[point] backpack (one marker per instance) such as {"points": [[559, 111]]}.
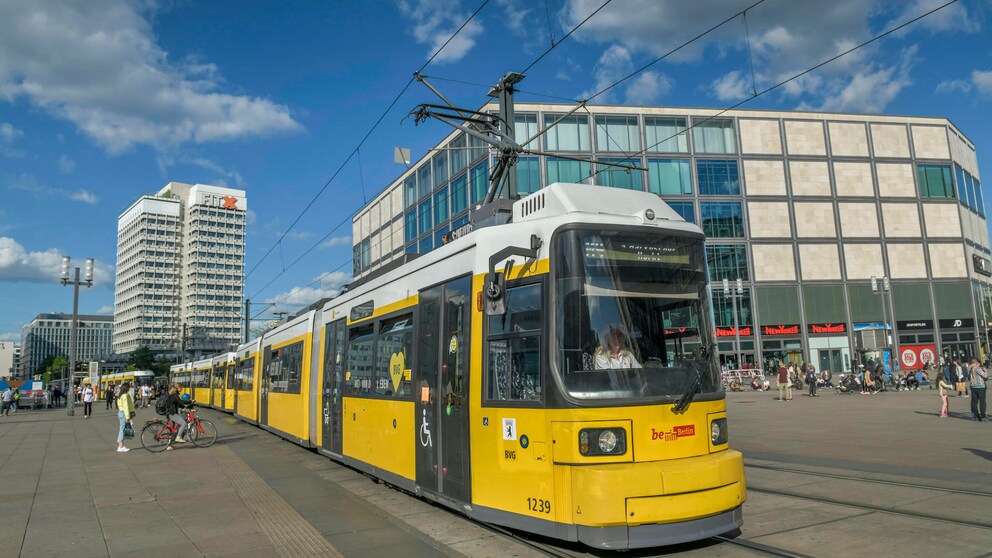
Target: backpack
{"points": [[160, 404]]}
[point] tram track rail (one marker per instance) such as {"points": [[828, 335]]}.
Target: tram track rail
{"points": [[759, 547], [869, 507], [869, 480]]}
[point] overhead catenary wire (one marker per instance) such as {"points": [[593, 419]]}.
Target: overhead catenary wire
{"points": [[365, 138]]}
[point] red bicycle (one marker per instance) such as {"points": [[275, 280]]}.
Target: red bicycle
{"points": [[157, 434]]}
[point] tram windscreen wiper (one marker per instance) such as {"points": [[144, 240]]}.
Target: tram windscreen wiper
{"points": [[698, 364]]}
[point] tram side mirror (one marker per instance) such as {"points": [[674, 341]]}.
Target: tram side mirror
{"points": [[493, 294]]}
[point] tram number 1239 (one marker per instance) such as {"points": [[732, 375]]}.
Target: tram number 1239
{"points": [[538, 505]]}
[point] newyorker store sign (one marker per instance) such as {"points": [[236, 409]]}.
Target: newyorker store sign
{"points": [[744, 331], [828, 328], [780, 330]]}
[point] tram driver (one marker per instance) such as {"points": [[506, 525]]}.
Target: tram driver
{"points": [[613, 352]]}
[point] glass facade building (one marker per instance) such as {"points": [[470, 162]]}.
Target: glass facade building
{"points": [[51, 335], [804, 208]]}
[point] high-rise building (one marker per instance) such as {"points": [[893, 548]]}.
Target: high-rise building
{"points": [[847, 233], [180, 270], [9, 353], [50, 334]]}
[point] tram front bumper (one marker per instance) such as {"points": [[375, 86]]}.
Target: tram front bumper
{"points": [[658, 497]]}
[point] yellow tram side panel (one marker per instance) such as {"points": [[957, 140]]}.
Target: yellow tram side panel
{"points": [[248, 399], [289, 412], [232, 368], [662, 478], [369, 434], [201, 394]]}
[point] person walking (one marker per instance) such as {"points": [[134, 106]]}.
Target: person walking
{"points": [[17, 398], [146, 395], [957, 372], [943, 386], [7, 399], [125, 412], [811, 379], [784, 385], [109, 396], [979, 378], [89, 395]]}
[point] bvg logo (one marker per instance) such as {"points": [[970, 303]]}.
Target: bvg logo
{"points": [[675, 433]]}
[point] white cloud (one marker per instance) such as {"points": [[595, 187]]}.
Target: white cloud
{"points": [[105, 311], [29, 183], [871, 90], [982, 81], [18, 264], [648, 88], [732, 86], [952, 18], [8, 136], [336, 241], [953, 85], [66, 165], [12, 337], [435, 21], [329, 285], [97, 64]]}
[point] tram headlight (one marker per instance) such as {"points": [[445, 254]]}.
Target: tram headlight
{"points": [[602, 441], [718, 431]]}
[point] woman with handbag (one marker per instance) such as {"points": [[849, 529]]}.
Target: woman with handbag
{"points": [[125, 413]]}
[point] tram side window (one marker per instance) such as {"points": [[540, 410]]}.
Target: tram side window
{"points": [[393, 346], [358, 374], [514, 347], [202, 378], [218, 379], [232, 381], [246, 374], [286, 368]]}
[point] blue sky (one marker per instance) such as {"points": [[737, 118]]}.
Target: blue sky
{"points": [[104, 100]]}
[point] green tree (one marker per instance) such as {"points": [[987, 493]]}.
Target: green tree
{"points": [[141, 359], [45, 365]]}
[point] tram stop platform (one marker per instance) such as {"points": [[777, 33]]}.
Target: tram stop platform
{"points": [[66, 491]]}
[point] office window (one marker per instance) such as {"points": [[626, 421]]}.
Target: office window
{"points": [[524, 127], [410, 191], [366, 254], [528, 175], [962, 183], [714, 136], [666, 135], [723, 308], [459, 194], [463, 220], [718, 177], [617, 133], [566, 170], [440, 206], [478, 179], [685, 209], [424, 182], [722, 219], [439, 236], [479, 149], [571, 134], [935, 181], [979, 199], [425, 245], [619, 177], [410, 226], [458, 154], [440, 163], [670, 177], [424, 216]]}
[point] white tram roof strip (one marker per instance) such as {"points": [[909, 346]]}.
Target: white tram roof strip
{"points": [[540, 213]]}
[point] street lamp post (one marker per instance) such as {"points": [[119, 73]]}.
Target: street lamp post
{"points": [[882, 289], [733, 295], [88, 282]]}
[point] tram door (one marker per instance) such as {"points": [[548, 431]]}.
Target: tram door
{"points": [[333, 379], [442, 390], [263, 387]]}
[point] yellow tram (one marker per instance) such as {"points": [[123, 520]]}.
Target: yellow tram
{"points": [[554, 374], [200, 375], [221, 382]]}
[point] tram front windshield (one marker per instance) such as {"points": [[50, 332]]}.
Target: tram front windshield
{"points": [[632, 315]]}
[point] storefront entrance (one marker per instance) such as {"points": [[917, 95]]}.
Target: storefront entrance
{"points": [[788, 351]]}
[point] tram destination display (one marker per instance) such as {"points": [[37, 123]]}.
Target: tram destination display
{"points": [[624, 251]]}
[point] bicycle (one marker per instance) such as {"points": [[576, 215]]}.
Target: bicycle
{"points": [[157, 435]]}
